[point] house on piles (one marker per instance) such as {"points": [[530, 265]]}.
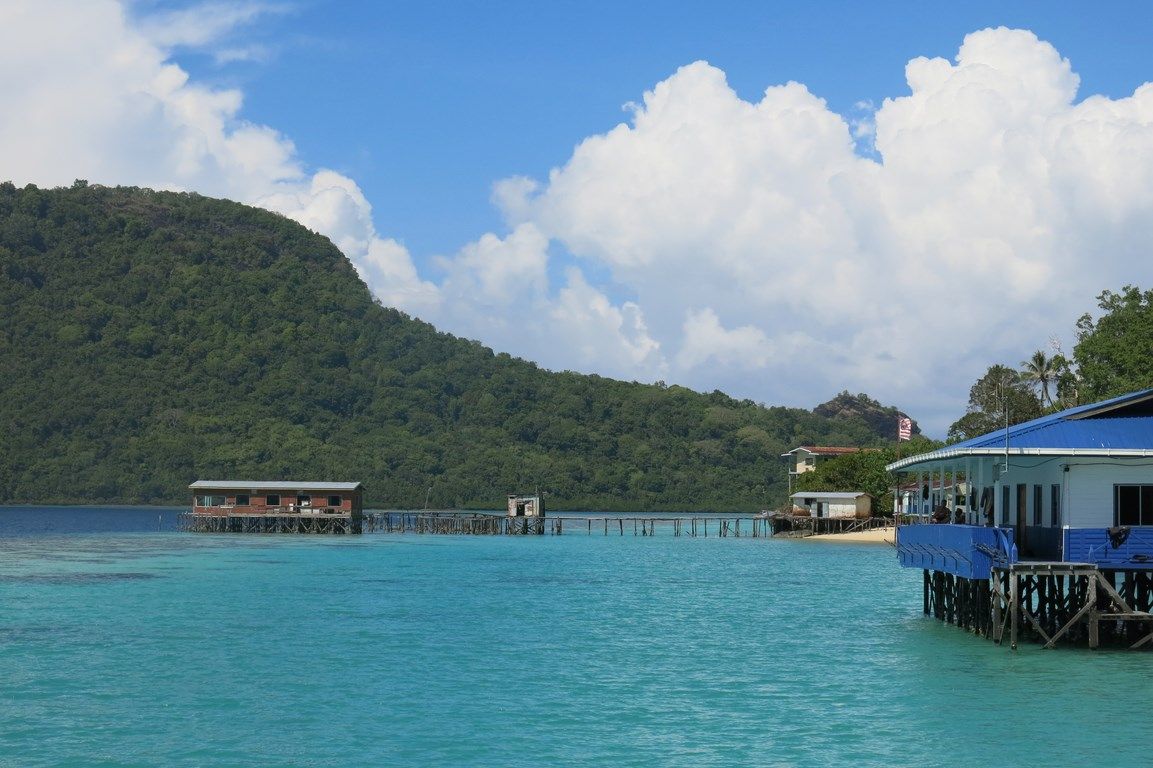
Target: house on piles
{"points": [[263, 506], [1056, 538], [1056, 486]]}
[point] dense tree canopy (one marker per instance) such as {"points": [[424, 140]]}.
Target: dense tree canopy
{"points": [[1114, 353], [1001, 395], [1113, 356], [863, 471], [150, 339]]}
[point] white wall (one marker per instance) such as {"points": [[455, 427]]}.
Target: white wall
{"points": [[1089, 487]]}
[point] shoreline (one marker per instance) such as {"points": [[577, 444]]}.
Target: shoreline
{"points": [[872, 536]]}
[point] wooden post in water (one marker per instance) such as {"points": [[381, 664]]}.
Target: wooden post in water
{"points": [[1014, 608]]}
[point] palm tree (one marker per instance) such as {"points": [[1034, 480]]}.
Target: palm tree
{"points": [[1040, 371]]}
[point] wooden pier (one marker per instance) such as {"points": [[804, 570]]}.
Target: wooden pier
{"points": [[478, 523], [271, 522], [801, 526], [1047, 603]]}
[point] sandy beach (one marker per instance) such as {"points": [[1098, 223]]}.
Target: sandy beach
{"points": [[874, 536]]}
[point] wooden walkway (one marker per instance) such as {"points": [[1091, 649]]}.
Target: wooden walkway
{"points": [[480, 524], [801, 526]]}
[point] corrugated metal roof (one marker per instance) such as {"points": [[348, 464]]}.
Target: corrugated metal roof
{"points": [[828, 450], [272, 485], [828, 495], [1122, 423]]}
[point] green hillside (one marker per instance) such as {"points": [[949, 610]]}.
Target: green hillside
{"points": [[149, 339]]}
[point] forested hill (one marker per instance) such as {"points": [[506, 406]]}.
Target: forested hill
{"points": [[149, 339]]}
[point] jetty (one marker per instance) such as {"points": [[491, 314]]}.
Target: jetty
{"points": [[457, 523], [800, 526]]}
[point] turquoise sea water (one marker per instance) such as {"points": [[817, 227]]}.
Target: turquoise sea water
{"points": [[125, 643]]}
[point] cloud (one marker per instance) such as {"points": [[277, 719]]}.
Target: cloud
{"points": [[705, 341], [773, 248], [995, 208], [102, 101], [501, 287], [200, 25]]}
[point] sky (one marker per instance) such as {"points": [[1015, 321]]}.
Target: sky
{"points": [[780, 201]]}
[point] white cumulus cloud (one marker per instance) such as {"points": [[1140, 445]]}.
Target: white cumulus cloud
{"points": [[994, 210], [92, 94]]}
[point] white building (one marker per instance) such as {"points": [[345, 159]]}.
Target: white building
{"points": [[833, 503], [1058, 481]]}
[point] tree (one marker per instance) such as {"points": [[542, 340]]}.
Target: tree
{"points": [[1040, 371], [861, 471], [1068, 382], [1000, 395], [1114, 353], [150, 338]]}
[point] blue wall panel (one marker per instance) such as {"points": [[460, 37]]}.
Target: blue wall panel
{"points": [[963, 550], [1092, 545]]}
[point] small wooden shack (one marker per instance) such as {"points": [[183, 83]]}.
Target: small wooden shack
{"points": [[251, 506], [525, 506], [833, 504]]}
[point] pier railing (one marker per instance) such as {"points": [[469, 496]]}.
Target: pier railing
{"points": [[800, 526], [478, 523]]}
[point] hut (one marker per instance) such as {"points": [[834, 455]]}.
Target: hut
{"points": [[525, 506], [833, 504], [262, 506]]}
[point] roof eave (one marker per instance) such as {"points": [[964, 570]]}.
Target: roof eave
{"points": [[944, 454]]}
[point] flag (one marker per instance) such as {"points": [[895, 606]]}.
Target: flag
{"points": [[904, 428]]}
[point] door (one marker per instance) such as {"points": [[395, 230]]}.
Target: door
{"points": [[1020, 534]]}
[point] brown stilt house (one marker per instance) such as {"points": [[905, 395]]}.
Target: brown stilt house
{"points": [[253, 506]]}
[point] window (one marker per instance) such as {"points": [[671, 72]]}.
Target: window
{"points": [[1055, 504], [335, 501], [210, 501], [303, 500], [242, 500], [1133, 505], [1004, 505], [1037, 499], [272, 499]]}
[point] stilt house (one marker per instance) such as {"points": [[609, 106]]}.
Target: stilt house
{"points": [[1058, 526], [276, 506]]}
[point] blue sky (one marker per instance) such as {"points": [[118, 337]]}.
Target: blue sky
{"points": [[426, 104], [781, 201]]}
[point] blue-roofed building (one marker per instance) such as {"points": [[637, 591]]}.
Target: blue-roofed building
{"points": [[1057, 482], [1057, 525]]}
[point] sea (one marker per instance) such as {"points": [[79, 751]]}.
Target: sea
{"points": [[125, 642]]}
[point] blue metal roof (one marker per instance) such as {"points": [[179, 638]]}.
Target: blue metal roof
{"points": [[1122, 423], [1098, 425]]}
